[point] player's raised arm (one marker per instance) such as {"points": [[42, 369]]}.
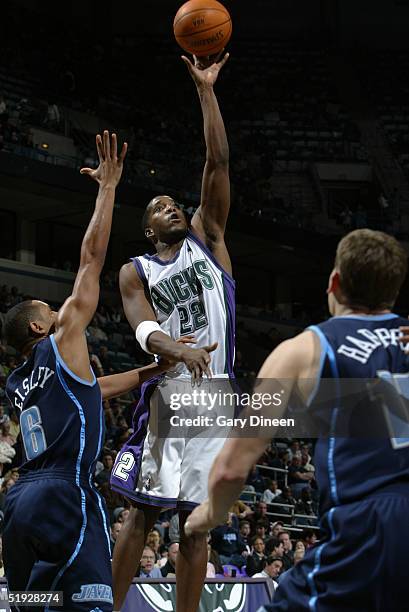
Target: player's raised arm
{"points": [[211, 217], [78, 310], [141, 318]]}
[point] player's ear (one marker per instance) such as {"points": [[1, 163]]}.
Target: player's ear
{"points": [[149, 232], [333, 282], [38, 328]]}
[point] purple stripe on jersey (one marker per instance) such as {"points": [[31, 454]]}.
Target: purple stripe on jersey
{"points": [[209, 254], [140, 271], [134, 446], [230, 303], [163, 262]]}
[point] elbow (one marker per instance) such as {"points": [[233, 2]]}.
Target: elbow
{"points": [[91, 255], [231, 475], [218, 161]]}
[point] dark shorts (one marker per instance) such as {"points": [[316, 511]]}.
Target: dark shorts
{"points": [[56, 538], [359, 565]]}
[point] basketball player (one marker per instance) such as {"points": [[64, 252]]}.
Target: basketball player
{"points": [[360, 562], [56, 535], [186, 287]]}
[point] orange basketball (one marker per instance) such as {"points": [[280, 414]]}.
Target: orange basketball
{"points": [[202, 27]]}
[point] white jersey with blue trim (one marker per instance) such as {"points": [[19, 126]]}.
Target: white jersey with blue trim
{"points": [[375, 457], [192, 295]]}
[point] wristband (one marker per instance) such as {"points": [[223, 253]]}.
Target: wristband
{"points": [[143, 331]]}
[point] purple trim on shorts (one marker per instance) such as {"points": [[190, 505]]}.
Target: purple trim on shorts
{"points": [[209, 254], [186, 505], [148, 500], [136, 442], [140, 271]]}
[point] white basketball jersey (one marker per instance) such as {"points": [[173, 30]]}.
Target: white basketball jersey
{"points": [[192, 295]]}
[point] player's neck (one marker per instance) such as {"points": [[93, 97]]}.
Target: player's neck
{"points": [[167, 251], [341, 310]]}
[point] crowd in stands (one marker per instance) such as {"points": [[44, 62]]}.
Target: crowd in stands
{"points": [[265, 532], [383, 74], [290, 113]]}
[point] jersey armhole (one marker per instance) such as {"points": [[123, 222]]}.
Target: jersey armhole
{"points": [[324, 345], [64, 366], [193, 236]]}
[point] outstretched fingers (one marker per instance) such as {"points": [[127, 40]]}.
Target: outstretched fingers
{"points": [[123, 152], [114, 147], [223, 61], [107, 144], [100, 148]]}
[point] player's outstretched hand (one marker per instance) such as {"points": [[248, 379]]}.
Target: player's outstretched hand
{"points": [[197, 361], [199, 521], [204, 71], [109, 171], [169, 363]]}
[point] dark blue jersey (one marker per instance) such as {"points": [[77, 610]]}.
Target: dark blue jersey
{"points": [[61, 416], [350, 468]]}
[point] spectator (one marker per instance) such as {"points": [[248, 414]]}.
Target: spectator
{"points": [[105, 474], [115, 529], [271, 571], [277, 528], [306, 506], [274, 547], [261, 529], [120, 514], [5, 435], [227, 543], [244, 531], [287, 498], [255, 562], [146, 566], [271, 492], [256, 480], [214, 560], [309, 538], [240, 509], [260, 513], [169, 569], [288, 555], [298, 477], [210, 569], [154, 541], [299, 546]]}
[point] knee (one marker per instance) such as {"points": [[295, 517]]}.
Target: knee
{"points": [[192, 544]]}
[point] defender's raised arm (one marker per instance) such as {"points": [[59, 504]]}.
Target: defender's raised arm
{"points": [[79, 308]]}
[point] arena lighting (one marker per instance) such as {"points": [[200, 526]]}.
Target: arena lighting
{"points": [[45, 145], [152, 171]]}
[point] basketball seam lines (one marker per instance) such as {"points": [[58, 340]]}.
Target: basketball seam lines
{"points": [[206, 30], [198, 10]]}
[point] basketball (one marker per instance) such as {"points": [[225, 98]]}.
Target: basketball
{"points": [[202, 27]]}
